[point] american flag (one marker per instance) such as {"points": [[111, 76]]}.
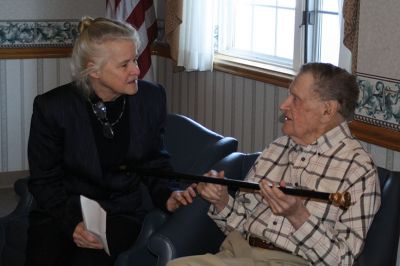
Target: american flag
{"points": [[141, 15]]}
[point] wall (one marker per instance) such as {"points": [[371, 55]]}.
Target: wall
{"points": [[233, 106], [377, 66], [230, 105], [22, 80], [50, 9], [378, 49]]}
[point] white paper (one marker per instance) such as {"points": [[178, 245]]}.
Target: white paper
{"points": [[94, 218]]}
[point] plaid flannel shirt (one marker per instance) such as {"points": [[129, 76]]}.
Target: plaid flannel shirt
{"points": [[336, 162]]}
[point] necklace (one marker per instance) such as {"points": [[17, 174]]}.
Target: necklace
{"points": [[100, 111]]}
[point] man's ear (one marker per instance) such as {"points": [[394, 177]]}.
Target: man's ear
{"points": [[331, 109], [94, 74]]}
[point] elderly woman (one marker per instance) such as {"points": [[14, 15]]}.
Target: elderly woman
{"points": [[81, 133]]}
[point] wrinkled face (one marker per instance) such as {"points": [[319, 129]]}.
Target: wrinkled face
{"points": [[303, 110], [119, 73]]}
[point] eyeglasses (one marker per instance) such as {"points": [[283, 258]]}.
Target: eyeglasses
{"points": [[100, 111]]}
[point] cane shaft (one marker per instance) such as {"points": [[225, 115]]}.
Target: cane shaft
{"points": [[340, 199]]}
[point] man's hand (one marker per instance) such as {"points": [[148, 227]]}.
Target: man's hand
{"points": [[290, 207], [179, 198], [213, 193], [85, 239]]}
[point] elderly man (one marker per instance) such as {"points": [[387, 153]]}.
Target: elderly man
{"points": [[318, 153]]}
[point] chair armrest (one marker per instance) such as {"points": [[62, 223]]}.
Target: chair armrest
{"points": [[14, 226], [189, 231], [138, 254], [25, 202]]}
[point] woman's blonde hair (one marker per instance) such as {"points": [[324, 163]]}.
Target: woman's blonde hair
{"points": [[93, 33]]}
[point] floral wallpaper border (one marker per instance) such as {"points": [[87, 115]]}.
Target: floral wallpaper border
{"points": [[38, 33], [379, 101]]}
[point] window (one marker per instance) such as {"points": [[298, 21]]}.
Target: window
{"points": [[283, 33]]}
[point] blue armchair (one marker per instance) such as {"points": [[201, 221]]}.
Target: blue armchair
{"points": [[193, 148], [13, 227], [201, 234], [383, 237]]}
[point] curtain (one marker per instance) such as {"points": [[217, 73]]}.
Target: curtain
{"points": [[344, 52], [173, 20], [351, 15], [189, 32]]}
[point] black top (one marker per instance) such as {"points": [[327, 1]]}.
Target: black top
{"points": [[112, 151], [68, 157]]}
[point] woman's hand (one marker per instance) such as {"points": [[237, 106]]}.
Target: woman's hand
{"points": [[179, 198], [215, 194], [284, 205], [85, 239]]}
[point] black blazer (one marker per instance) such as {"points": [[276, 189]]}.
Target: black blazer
{"points": [[64, 163]]}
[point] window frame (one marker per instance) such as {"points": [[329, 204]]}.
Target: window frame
{"points": [[274, 63], [230, 63], [271, 74]]}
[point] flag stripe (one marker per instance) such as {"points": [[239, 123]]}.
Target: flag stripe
{"points": [[144, 61], [152, 32], [117, 2], [136, 18], [141, 15]]}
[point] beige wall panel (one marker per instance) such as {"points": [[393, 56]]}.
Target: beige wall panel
{"points": [[237, 115], [219, 101], [184, 105], [14, 102], [209, 99], [192, 94], [64, 70], [228, 105], [259, 116], [378, 49], [50, 9], [248, 115], [201, 98]]}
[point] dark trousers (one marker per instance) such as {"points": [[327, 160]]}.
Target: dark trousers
{"points": [[49, 246]]}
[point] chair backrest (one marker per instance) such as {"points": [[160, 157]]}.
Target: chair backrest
{"points": [[383, 237], [193, 147]]}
